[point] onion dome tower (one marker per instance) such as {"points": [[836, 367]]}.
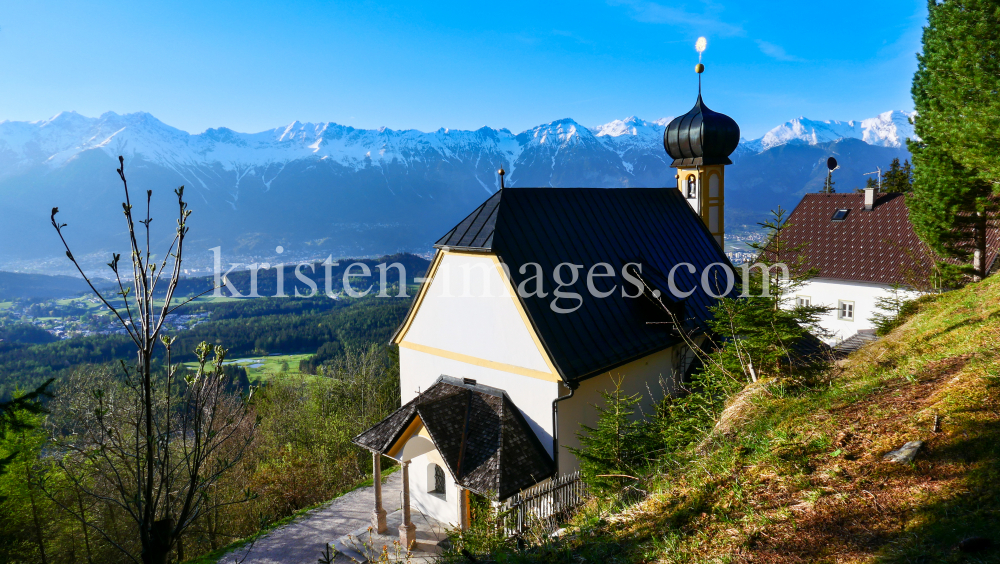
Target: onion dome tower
{"points": [[700, 142]]}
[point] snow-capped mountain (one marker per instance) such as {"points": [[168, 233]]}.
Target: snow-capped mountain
{"points": [[55, 141], [889, 129], [342, 190]]}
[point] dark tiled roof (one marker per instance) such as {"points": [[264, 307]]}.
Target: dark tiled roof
{"points": [[479, 432], [855, 342], [586, 226], [877, 245], [476, 230], [383, 434]]}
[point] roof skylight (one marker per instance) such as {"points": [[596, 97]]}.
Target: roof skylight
{"points": [[841, 215]]}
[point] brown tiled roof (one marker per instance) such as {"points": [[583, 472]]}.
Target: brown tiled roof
{"points": [[877, 245], [479, 432]]}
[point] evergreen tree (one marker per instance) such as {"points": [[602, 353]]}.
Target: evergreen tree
{"points": [[899, 178], [616, 449], [765, 326], [891, 309], [13, 412], [964, 62], [955, 95], [828, 185]]}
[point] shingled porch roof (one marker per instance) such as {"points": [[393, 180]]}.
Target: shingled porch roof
{"points": [[478, 431]]}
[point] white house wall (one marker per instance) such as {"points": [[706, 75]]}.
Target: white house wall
{"points": [[468, 325], [827, 292]]}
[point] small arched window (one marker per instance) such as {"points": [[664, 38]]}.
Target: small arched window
{"points": [[435, 479], [691, 186]]}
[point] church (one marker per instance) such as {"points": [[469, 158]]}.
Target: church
{"points": [[534, 304]]}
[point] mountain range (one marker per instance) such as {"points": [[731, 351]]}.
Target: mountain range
{"points": [[324, 188]]}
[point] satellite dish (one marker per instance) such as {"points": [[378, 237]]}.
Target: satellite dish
{"points": [[831, 163]]}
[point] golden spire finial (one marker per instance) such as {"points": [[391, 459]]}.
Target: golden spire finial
{"points": [[700, 47], [501, 173]]}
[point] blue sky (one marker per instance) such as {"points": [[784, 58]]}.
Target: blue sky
{"points": [[252, 65]]}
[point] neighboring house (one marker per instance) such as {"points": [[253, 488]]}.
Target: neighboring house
{"points": [[861, 245], [533, 306]]}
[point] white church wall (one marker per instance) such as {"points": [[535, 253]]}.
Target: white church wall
{"points": [[418, 370], [642, 377], [831, 293], [469, 310], [441, 507], [469, 326], [483, 336]]}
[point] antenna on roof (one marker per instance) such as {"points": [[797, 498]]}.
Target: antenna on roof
{"points": [[501, 173], [831, 165], [878, 172]]}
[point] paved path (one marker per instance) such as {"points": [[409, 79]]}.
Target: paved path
{"points": [[303, 541]]}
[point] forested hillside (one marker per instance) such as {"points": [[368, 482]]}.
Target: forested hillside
{"points": [[256, 326], [16, 285], [250, 326]]}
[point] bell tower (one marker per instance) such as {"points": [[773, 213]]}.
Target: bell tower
{"points": [[700, 142]]}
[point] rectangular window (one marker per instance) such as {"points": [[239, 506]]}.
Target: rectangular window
{"points": [[845, 310], [803, 301], [841, 215]]}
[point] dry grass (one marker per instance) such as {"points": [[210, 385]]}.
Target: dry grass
{"points": [[803, 479]]}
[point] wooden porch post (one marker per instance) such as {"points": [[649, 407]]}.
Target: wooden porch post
{"points": [[463, 507], [407, 530], [378, 516]]}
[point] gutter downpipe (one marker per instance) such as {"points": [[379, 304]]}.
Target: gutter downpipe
{"points": [[555, 424]]}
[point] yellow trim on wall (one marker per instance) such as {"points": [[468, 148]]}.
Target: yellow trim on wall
{"points": [[520, 370], [523, 314], [551, 376], [424, 288], [704, 175], [414, 428], [469, 253]]}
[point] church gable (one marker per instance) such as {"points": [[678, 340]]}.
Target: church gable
{"points": [[469, 313]]}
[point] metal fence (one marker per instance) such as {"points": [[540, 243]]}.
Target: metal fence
{"points": [[543, 505]]}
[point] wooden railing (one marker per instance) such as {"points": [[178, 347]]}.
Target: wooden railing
{"points": [[543, 505]]}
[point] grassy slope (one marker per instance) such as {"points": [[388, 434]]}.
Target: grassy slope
{"points": [[262, 368], [803, 480]]}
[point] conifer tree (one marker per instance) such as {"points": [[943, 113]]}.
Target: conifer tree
{"points": [[899, 178], [612, 452], [12, 415], [891, 309], [829, 183], [955, 92], [969, 51]]}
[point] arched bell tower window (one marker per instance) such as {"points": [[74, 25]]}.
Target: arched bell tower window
{"points": [[691, 186], [435, 479]]}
